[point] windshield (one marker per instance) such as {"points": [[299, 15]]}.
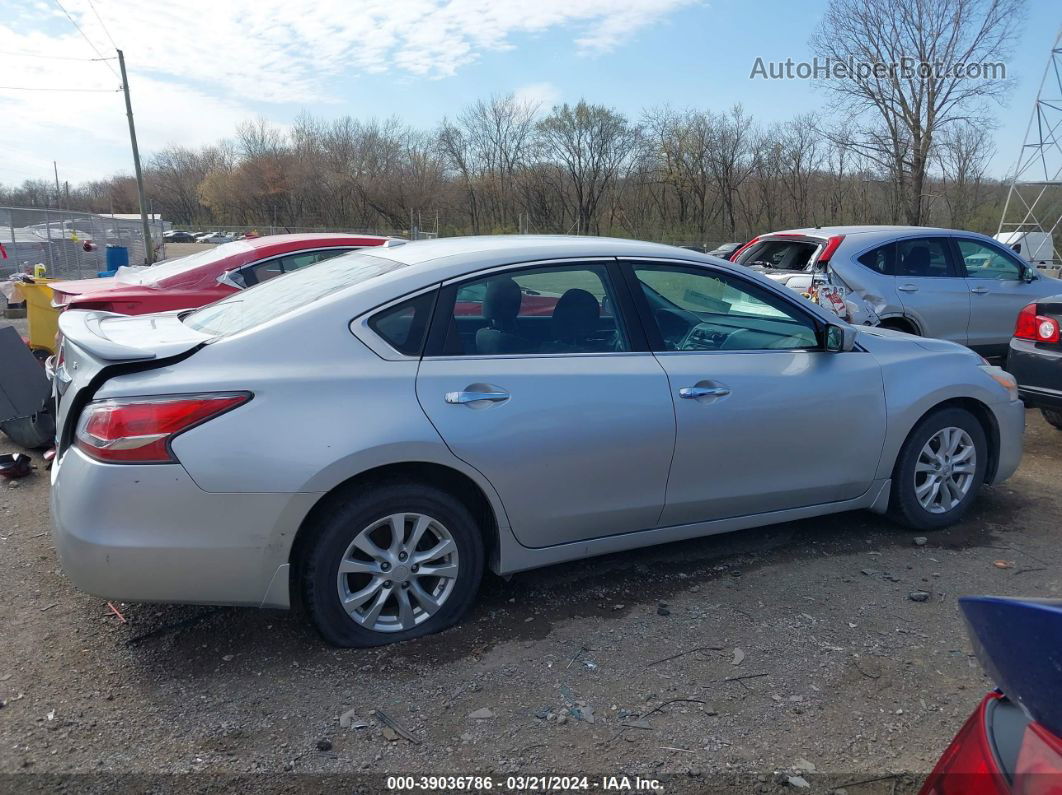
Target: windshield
{"points": [[175, 267], [286, 293]]}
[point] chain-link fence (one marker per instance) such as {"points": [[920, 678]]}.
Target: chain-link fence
{"points": [[259, 230], [70, 244]]}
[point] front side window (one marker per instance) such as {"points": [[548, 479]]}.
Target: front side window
{"points": [[987, 262], [699, 310], [568, 309], [923, 256]]}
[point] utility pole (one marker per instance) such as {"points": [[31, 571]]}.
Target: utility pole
{"points": [[58, 195], [148, 251]]}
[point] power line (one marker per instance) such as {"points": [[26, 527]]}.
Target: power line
{"points": [[86, 38], [102, 24], [52, 57], [36, 88]]}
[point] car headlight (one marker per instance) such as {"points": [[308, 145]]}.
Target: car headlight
{"points": [[1003, 378]]}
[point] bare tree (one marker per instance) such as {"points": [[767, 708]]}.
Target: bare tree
{"points": [[963, 151], [594, 146], [935, 40]]}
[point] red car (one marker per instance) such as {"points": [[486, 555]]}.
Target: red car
{"points": [[205, 277]]}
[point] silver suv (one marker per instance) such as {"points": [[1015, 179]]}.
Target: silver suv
{"points": [[944, 283]]}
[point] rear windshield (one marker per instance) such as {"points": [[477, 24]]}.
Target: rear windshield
{"points": [[175, 267], [278, 296], [789, 255]]}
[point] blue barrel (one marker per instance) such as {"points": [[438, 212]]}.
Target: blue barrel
{"points": [[117, 256]]}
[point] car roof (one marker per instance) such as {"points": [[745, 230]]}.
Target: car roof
{"points": [[314, 237], [829, 231], [507, 249]]}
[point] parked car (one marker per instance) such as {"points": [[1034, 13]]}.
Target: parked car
{"points": [[204, 277], [215, 237], [726, 250], [178, 236], [1012, 743], [944, 283], [373, 474], [1035, 357]]}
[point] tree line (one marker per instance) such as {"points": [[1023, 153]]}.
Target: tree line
{"points": [[502, 166]]}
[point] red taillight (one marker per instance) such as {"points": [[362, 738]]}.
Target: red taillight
{"points": [[1039, 768], [968, 766], [139, 430], [831, 246], [734, 256], [1036, 328]]}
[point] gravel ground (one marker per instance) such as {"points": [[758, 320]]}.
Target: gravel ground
{"points": [[790, 648]]}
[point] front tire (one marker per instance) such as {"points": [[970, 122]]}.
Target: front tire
{"points": [[396, 562], [1053, 417], [939, 471]]}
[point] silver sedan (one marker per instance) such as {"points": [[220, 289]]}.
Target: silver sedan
{"points": [[365, 436]]}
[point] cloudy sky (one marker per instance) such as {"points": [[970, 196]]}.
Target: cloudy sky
{"points": [[198, 67]]}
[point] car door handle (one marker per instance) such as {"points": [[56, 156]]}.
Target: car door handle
{"points": [[473, 397], [979, 290], [908, 288], [694, 392]]}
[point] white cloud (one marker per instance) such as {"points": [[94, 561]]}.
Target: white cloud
{"points": [[544, 95], [197, 66]]}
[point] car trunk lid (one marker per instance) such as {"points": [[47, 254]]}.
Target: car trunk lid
{"points": [[97, 345]]}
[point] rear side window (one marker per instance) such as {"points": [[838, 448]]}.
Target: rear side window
{"points": [[405, 325], [880, 259], [922, 256]]}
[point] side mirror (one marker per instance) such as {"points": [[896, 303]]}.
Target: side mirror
{"points": [[1028, 273], [232, 279], [839, 339]]}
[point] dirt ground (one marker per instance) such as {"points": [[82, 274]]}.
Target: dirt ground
{"points": [[735, 662]]}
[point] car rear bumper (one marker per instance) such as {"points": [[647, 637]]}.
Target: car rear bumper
{"points": [[1039, 373], [1010, 420], [148, 533]]}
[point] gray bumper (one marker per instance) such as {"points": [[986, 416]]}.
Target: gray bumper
{"points": [[150, 534], [1010, 418]]}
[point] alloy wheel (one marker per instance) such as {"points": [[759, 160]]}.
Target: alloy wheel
{"points": [[398, 572], [945, 469]]}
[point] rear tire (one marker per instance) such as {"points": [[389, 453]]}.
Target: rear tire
{"points": [[32, 433], [388, 576], [933, 481], [1053, 417], [899, 324]]}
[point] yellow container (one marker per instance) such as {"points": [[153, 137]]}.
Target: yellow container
{"points": [[42, 317]]}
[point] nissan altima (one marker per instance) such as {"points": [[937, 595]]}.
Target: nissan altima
{"points": [[365, 436]]}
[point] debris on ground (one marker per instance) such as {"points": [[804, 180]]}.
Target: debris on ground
{"points": [[17, 465], [324, 745], [1003, 564], [739, 657], [918, 596], [350, 720], [393, 724], [798, 782], [481, 714], [921, 541]]}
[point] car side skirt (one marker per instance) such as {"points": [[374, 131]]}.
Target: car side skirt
{"points": [[512, 557]]}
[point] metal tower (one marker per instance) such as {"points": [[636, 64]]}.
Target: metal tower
{"points": [[1034, 201]]}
